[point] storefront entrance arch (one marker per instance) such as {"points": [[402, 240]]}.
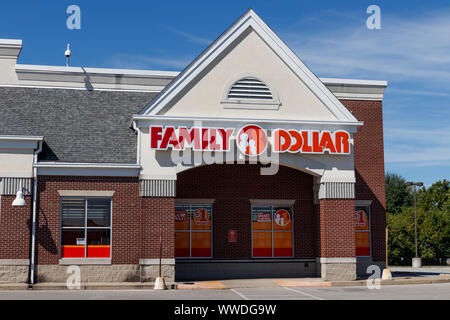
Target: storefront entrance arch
{"points": [[231, 196]]}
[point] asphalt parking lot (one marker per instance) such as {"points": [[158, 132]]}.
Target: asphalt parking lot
{"points": [[399, 292]]}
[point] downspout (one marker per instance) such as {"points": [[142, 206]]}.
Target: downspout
{"points": [[138, 147], [33, 223], [138, 161]]}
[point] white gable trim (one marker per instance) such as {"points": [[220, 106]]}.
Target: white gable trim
{"points": [[249, 19]]}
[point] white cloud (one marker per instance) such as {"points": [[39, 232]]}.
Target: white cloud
{"points": [[413, 55], [417, 147], [416, 49], [191, 38], [129, 61], [420, 157]]}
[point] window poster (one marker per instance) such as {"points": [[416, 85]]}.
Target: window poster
{"points": [[362, 232], [272, 231], [193, 231]]}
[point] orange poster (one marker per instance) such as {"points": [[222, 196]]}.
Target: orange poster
{"points": [[181, 220], [362, 233]]}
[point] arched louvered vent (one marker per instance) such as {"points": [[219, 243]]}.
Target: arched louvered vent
{"points": [[250, 89]]}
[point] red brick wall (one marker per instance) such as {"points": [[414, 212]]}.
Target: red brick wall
{"points": [[15, 228], [126, 217], [337, 237], [369, 168], [232, 186], [158, 217]]}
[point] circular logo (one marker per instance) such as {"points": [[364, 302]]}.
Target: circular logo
{"points": [[252, 140], [282, 218]]}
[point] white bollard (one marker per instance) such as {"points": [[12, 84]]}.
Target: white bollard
{"points": [[387, 275], [160, 284], [417, 263]]}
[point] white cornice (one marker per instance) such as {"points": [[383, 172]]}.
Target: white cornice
{"points": [[92, 71], [358, 96], [88, 169], [144, 120], [108, 79], [86, 165], [10, 42], [354, 82], [82, 88], [10, 48], [20, 142], [92, 78], [22, 138]]}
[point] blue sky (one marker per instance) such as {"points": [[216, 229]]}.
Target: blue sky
{"points": [[411, 51]]}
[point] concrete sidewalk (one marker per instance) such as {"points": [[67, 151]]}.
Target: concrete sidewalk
{"points": [[401, 276], [305, 282], [85, 286]]}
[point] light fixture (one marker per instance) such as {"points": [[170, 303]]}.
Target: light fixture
{"points": [[20, 200]]}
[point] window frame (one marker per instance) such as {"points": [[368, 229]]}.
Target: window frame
{"points": [[369, 216], [85, 228], [272, 206], [190, 205]]}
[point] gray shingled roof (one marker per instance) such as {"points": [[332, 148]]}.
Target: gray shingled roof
{"points": [[77, 125]]}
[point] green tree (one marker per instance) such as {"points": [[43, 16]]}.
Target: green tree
{"points": [[398, 194], [434, 235], [401, 236], [435, 197], [434, 232], [433, 226]]}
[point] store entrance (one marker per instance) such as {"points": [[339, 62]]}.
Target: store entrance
{"points": [[233, 222]]}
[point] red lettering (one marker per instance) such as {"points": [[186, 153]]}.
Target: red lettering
{"points": [[185, 137], [282, 140], [213, 140], [316, 146], [168, 138], [342, 142], [295, 147], [205, 138], [226, 134], [326, 141], [197, 144], [155, 136], [306, 148]]}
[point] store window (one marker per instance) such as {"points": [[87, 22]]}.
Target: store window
{"points": [[193, 226], [86, 228], [272, 231], [362, 231]]}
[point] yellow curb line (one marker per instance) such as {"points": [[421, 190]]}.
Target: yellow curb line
{"points": [[201, 285], [291, 283]]}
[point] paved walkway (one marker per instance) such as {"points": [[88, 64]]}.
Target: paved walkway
{"points": [[401, 276], [197, 297], [420, 272]]}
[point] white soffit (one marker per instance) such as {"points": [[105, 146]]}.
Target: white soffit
{"points": [[249, 19]]}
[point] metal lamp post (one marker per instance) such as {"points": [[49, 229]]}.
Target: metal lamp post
{"points": [[416, 262]]}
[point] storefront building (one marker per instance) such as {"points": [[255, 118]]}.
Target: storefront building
{"points": [[245, 164]]}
